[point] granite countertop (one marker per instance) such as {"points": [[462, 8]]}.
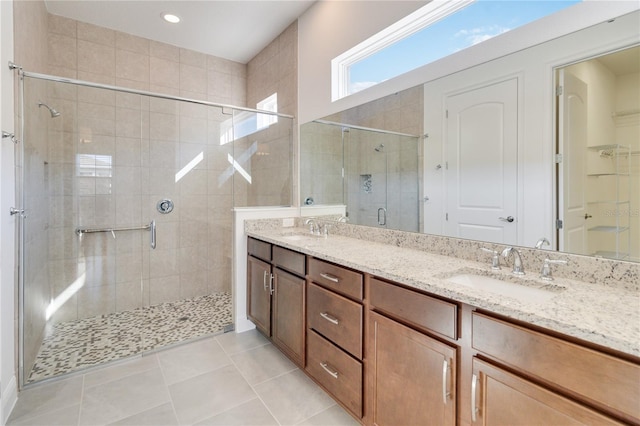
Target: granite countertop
{"points": [[603, 315]]}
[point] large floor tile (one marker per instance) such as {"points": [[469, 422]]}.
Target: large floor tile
{"points": [[162, 415], [293, 397], [252, 413], [262, 363], [61, 417], [209, 394], [333, 416], [124, 397], [240, 342], [48, 397], [120, 370], [191, 360]]}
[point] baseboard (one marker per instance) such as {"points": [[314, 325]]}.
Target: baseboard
{"points": [[9, 398]]}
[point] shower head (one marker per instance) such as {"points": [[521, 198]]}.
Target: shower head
{"points": [[379, 148], [53, 111]]}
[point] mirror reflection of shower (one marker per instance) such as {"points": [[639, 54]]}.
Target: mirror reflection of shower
{"points": [[379, 148], [54, 113]]}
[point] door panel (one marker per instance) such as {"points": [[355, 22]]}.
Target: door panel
{"points": [[259, 297], [572, 139], [288, 314], [481, 177]]}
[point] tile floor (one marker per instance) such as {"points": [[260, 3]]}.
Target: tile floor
{"points": [[229, 379]]}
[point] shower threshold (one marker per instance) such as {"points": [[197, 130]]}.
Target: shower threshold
{"points": [[77, 345]]}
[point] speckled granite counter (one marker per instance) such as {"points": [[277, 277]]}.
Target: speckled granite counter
{"points": [[605, 315]]}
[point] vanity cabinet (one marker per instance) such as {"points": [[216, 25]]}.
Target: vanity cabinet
{"points": [[593, 378], [276, 296], [412, 377], [335, 332]]}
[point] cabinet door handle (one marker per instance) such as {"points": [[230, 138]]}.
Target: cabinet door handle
{"points": [[330, 277], [474, 386], [271, 284], [330, 318], [264, 280], [445, 392], [329, 369]]}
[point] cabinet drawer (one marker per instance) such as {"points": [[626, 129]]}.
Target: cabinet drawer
{"points": [[336, 278], [604, 380], [340, 374], [336, 318], [418, 309], [289, 260], [259, 249]]}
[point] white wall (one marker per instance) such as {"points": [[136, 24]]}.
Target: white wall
{"points": [[329, 28], [8, 383]]}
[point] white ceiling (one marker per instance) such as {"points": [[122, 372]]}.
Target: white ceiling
{"points": [[232, 29]]}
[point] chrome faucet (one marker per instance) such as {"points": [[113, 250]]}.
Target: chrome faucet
{"points": [[542, 242], [495, 258], [545, 271], [518, 268], [313, 226]]}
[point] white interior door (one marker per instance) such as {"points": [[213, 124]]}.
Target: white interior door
{"points": [[572, 171], [482, 150]]}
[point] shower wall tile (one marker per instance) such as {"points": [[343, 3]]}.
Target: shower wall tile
{"points": [[163, 263], [130, 295], [63, 26], [128, 151], [193, 129], [164, 51], [163, 126], [98, 111], [164, 72], [132, 43], [96, 78], [96, 34], [132, 66], [193, 58], [96, 58], [164, 289], [62, 51], [128, 211], [194, 284], [128, 122], [193, 79], [133, 84], [98, 300]]}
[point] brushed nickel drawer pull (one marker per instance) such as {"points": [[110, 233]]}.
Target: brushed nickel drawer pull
{"points": [[474, 386], [330, 277], [329, 369], [264, 280], [330, 318], [445, 392]]}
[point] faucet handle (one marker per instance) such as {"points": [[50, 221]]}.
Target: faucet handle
{"points": [[545, 271], [495, 258]]}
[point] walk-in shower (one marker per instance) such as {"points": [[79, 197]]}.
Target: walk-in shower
{"points": [[374, 173], [125, 240]]}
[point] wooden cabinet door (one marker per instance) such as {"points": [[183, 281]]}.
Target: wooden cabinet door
{"points": [[288, 328], [412, 377], [501, 398], [259, 294]]}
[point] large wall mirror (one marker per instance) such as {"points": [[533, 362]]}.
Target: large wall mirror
{"points": [[537, 147]]}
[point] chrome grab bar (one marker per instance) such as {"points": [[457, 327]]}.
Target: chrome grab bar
{"points": [[150, 227]]}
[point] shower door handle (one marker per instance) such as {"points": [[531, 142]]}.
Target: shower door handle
{"points": [[152, 231], [382, 219]]}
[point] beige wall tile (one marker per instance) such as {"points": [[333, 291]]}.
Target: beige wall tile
{"points": [[132, 66], [62, 51], [128, 123], [164, 289], [193, 79], [164, 51], [63, 26], [193, 58], [164, 72], [96, 34], [128, 151], [132, 43], [96, 58]]}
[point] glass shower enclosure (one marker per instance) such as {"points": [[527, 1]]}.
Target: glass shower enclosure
{"points": [[373, 172], [125, 242]]}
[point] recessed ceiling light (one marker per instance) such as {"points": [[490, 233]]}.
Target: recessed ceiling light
{"points": [[171, 18]]}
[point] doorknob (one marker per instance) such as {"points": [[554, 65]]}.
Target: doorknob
{"points": [[587, 216], [507, 219]]}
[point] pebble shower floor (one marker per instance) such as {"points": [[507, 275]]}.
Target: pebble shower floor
{"points": [[80, 344]]}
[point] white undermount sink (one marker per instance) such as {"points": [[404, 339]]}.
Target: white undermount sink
{"points": [[295, 237], [500, 287]]}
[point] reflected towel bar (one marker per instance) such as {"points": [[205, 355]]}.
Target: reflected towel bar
{"points": [[151, 227]]}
